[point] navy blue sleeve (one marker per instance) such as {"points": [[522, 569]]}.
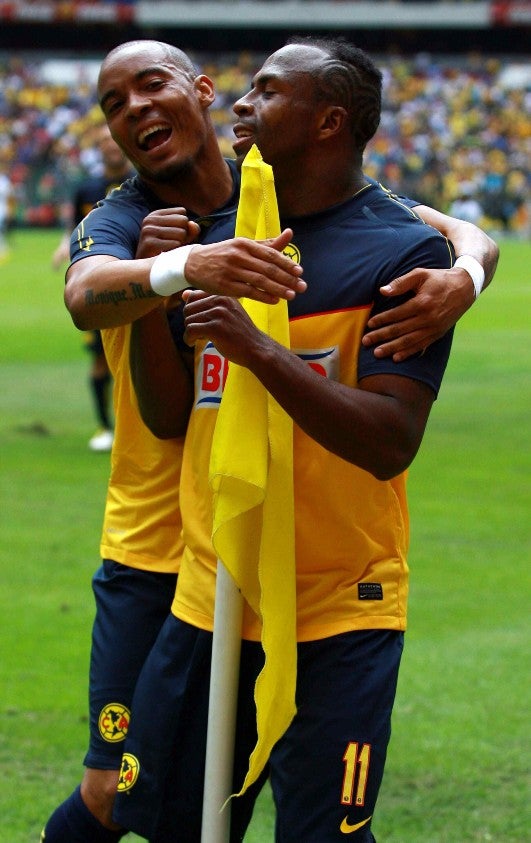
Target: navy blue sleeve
{"points": [[432, 251], [111, 228], [428, 367]]}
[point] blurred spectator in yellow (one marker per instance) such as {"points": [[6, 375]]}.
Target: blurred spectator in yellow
{"points": [[445, 121]]}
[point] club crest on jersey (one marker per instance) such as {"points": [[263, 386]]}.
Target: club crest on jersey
{"points": [[113, 722], [211, 376], [324, 361], [128, 772]]}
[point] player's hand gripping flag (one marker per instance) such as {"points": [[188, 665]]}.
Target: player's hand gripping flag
{"points": [[251, 475]]}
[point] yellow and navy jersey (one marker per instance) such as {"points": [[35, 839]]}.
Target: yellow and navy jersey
{"points": [[142, 520], [351, 530], [113, 226], [89, 192]]}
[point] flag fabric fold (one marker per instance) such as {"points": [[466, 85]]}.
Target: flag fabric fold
{"points": [[251, 476]]}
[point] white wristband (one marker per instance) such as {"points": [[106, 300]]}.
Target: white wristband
{"points": [[167, 273], [474, 269]]}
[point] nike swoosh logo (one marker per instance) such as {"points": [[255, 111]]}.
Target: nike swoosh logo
{"points": [[346, 828]]}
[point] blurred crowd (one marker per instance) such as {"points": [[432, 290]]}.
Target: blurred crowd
{"points": [[451, 135]]}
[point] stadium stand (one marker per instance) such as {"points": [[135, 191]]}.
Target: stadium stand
{"points": [[450, 127], [454, 126]]}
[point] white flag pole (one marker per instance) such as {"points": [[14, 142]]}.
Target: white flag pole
{"points": [[224, 677]]}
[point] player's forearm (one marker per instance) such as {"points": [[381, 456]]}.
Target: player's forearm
{"points": [[378, 432], [163, 386], [466, 238], [354, 424], [103, 292]]}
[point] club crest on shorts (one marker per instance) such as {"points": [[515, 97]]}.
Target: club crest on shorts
{"points": [[292, 252], [113, 722], [128, 772]]}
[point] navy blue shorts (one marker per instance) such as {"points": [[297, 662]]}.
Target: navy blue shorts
{"points": [[325, 771], [131, 607]]}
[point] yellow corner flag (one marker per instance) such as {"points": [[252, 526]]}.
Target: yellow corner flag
{"points": [[251, 476]]}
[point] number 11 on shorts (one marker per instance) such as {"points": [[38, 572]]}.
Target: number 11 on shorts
{"points": [[356, 762]]}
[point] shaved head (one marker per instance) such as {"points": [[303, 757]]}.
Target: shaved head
{"points": [[160, 49]]}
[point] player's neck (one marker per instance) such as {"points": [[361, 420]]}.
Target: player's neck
{"points": [[316, 192], [199, 188]]}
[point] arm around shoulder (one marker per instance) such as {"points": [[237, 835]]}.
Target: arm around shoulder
{"points": [[466, 238], [440, 296]]}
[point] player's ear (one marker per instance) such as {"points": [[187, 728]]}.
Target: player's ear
{"points": [[332, 120], [205, 89]]}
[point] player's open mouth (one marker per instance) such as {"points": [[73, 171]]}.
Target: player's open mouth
{"points": [[244, 139], [153, 136]]}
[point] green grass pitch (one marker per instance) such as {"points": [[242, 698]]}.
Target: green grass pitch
{"points": [[459, 754]]}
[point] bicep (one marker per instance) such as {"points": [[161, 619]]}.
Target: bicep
{"points": [[442, 222], [408, 405], [84, 267]]}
